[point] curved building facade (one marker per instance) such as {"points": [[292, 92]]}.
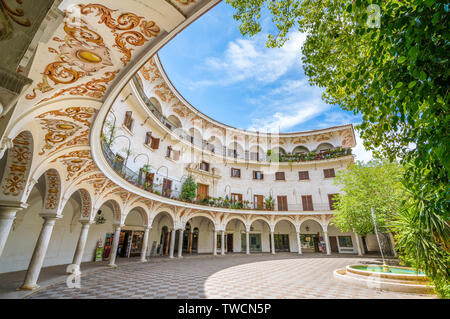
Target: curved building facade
{"points": [[97, 143]]}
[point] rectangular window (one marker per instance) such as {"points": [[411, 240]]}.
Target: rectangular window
{"points": [[329, 172], [279, 176], [282, 203], [128, 121], [176, 155], [332, 201], [345, 241], [254, 156], [307, 203], [235, 172], [169, 152], [204, 166], [258, 175], [303, 175]]}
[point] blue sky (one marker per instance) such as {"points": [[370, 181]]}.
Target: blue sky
{"points": [[238, 81]]}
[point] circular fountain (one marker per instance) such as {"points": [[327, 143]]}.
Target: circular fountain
{"points": [[392, 278]]}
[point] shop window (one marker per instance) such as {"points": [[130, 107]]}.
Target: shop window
{"points": [[303, 175], [235, 172], [345, 241], [279, 176], [258, 175], [329, 172]]}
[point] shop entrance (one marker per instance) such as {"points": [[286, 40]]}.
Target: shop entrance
{"points": [[333, 244], [310, 243]]}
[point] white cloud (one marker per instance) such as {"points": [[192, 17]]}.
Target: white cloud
{"points": [[281, 121], [361, 153], [250, 59]]}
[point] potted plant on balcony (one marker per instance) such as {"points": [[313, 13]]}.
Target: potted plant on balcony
{"points": [[269, 203], [188, 190]]}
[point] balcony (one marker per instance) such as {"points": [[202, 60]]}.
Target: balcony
{"points": [[227, 152]]}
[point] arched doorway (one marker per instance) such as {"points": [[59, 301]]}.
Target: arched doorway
{"points": [[284, 233], [311, 237]]}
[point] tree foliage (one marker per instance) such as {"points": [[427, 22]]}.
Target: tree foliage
{"points": [[376, 185], [396, 75]]}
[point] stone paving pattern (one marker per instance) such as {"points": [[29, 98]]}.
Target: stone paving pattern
{"points": [[230, 276]]}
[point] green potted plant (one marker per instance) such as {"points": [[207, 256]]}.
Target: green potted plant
{"points": [[188, 189]]}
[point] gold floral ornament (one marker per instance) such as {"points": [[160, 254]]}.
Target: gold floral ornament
{"points": [[136, 31], [19, 162], [90, 59], [82, 53], [60, 131]]}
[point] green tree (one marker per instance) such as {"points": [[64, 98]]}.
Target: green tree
{"points": [[188, 189], [376, 185], [395, 74]]}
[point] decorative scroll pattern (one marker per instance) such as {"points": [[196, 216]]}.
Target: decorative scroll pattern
{"points": [[60, 132], [136, 31], [53, 184], [74, 161], [19, 162], [85, 203]]}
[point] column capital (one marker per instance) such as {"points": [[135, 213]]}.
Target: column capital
{"points": [[8, 206], [50, 216], [86, 222]]}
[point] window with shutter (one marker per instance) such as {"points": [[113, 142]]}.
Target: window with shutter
{"points": [[155, 143], [128, 122], [176, 155], [148, 138], [329, 172], [307, 203], [235, 172], [204, 166], [303, 175], [236, 198], [332, 201], [258, 175], [169, 151], [282, 203], [279, 176], [258, 201]]}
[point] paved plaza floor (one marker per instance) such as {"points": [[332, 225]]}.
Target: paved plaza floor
{"points": [[284, 275]]}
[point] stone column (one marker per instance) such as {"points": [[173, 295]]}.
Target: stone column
{"points": [[180, 244], [39, 253], [358, 244], [247, 241], [222, 243], [7, 215], [144, 245], [299, 243], [78, 256], [327, 242], [215, 243], [114, 246], [172, 243], [272, 241]]}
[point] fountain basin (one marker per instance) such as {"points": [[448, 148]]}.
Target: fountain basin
{"points": [[400, 279]]}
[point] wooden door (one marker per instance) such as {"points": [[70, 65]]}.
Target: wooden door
{"points": [[202, 191], [259, 201], [282, 203], [333, 244], [167, 187]]}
